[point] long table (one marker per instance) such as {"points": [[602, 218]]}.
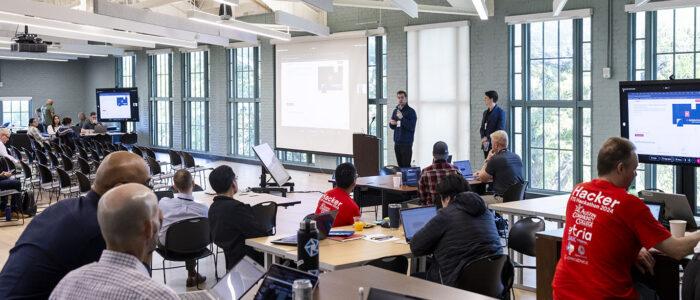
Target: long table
{"points": [[247, 198], [552, 208]]}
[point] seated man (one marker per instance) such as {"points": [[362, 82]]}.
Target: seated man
{"points": [[91, 124], [501, 165], [179, 208], [35, 132], [66, 235], [65, 132], [606, 229], [231, 221], [4, 138], [462, 231], [431, 175], [339, 197], [128, 216], [10, 184]]}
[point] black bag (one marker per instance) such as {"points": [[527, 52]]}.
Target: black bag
{"points": [[501, 223], [28, 203]]}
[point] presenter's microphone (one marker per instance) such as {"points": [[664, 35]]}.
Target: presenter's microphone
{"points": [[370, 123]]}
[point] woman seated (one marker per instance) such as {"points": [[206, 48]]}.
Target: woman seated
{"points": [[462, 232]]}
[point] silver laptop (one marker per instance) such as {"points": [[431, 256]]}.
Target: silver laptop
{"points": [[100, 129], [243, 276]]}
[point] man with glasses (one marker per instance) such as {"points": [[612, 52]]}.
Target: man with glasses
{"points": [[66, 235], [339, 198], [4, 137]]}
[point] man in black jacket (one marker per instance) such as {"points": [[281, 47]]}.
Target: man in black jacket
{"points": [[461, 232], [231, 221]]}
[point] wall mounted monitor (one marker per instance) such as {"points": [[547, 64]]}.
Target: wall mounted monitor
{"points": [[117, 104]]}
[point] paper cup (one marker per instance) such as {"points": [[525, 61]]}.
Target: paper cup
{"points": [[397, 182], [677, 228]]}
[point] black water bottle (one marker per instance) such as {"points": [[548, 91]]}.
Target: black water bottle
{"points": [[307, 247]]}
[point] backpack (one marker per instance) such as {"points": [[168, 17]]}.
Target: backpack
{"points": [[28, 203]]}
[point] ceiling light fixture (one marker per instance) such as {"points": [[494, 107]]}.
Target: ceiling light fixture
{"points": [[76, 53], [481, 9], [32, 58], [237, 25]]}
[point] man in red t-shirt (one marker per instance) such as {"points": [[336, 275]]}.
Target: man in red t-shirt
{"points": [[339, 197], [608, 231]]}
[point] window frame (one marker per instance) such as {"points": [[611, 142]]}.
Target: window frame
{"points": [[119, 80], [188, 100], [155, 100], [234, 100], [379, 102]]}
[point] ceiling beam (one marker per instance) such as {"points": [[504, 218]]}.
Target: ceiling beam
{"points": [[283, 18], [558, 6], [421, 8], [639, 3], [236, 25], [410, 7], [153, 3], [36, 56]]}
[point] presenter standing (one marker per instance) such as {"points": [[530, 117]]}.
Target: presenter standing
{"points": [[494, 119], [403, 122]]}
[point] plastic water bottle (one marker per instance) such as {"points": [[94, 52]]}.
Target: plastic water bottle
{"points": [[8, 213], [307, 247]]}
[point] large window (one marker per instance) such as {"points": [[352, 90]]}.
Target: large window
{"points": [[15, 110], [664, 43], [160, 66], [377, 93], [296, 157], [244, 100], [196, 100], [550, 103], [125, 78]]}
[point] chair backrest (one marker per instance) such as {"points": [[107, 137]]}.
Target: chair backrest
{"points": [[398, 264], [137, 150], [67, 162], [9, 165], [188, 160], [26, 170], [16, 153], [175, 159], [83, 182], [41, 157], [45, 175], [188, 236], [53, 159], [163, 194], [3, 164], [63, 178], [95, 155], [123, 148], [84, 166], [389, 170], [153, 166], [149, 152], [491, 276], [266, 213], [83, 154], [133, 138], [521, 237], [29, 154], [515, 192]]}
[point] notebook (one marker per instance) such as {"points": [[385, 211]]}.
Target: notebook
{"points": [[413, 219]]}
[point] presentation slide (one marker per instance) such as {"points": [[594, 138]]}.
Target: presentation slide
{"points": [[661, 122], [321, 95], [115, 105]]}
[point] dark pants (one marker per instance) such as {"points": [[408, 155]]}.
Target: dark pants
{"points": [[10, 184], [403, 155]]}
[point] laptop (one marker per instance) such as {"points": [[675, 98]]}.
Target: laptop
{"points": [[676, 207], [244, 275], [100, 129], [465, 167], [278, 283], [410, 176], [656, 209], [379, 294], [413, 219], [324, 222]]}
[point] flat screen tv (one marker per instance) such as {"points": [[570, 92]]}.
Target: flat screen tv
{"points": [[117, 104], [662, 119]]}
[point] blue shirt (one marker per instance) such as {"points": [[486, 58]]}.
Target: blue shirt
{"points": [[404, 135], [62, 238], [492, 121]]}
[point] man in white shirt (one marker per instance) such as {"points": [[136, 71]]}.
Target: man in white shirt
{"points": [[4, 137], [128, 216], [181, 207]]}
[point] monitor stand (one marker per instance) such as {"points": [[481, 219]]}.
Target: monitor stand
{"points": [[267, 187]]}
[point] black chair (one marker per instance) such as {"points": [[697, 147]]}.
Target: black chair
{"points": [[515, 192], [186, 240], [41, 158], [521, 237], [491, 276], [95, 156], [46, 182], [164, 194], [266, 213], [53, 160], [195, 169], [175, 160], [103, 138], [65, 185], [137, 150], [123, 148], [389, 170], [84, 184], [67, 163], [85, 168], [398, 264], [28, 181]]}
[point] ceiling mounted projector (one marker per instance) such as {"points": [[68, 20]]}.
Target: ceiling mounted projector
{"points": [[225, 12], [26, 42]]}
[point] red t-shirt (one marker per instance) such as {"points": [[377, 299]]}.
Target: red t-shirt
{"points": [[605, 229], [337, 199]]}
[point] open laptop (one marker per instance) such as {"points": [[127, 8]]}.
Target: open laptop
{"points": [[324, 222], [413, 219], [244, 275], [465, 167], [656, 209], [410, 176], [278, 283], [676, 207], [100, 129]]}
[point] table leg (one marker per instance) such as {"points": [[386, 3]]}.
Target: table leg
{"points": [[268, 260]]}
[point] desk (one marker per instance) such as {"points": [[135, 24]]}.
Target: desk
{"points": [[552, 208], [548, 246], [335, 255]]}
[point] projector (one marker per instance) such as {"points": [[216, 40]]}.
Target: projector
{"points": [[26, 42], [225, 12]]}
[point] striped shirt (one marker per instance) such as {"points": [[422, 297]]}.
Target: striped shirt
{"points": [[116, 276], [429, 178]]}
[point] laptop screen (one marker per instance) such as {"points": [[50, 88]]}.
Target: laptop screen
{"points": [[410, 176], [655, 209], [239, 280], [413, 219], [465, 167], [278, 283], [324, 222]]}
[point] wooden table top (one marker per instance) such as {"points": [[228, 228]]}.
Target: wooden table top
{"points": [[336, 255], [344, 284], [552, 207]]}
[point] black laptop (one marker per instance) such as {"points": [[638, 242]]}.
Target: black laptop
{"points": [[279, 281], [324, 222]]}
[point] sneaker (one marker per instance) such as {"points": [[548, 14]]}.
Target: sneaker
{"points": [[193, 280]]}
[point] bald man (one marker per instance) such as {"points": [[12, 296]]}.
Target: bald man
{"points": [[48, 112], [129, 220], [66, 236]]}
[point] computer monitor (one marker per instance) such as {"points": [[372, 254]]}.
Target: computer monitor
{"points": [[410, 176], [278, 283], [413, 219], [676, 207], [117, 104], [465, 167]]}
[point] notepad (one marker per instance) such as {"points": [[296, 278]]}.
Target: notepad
{"points": [[346, 238]]}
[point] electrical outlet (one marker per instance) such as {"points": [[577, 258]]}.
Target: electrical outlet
{"points": [[606, 73]]}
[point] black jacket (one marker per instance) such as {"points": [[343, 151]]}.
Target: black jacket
{"points": [[459, 234], [232, 222]]}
